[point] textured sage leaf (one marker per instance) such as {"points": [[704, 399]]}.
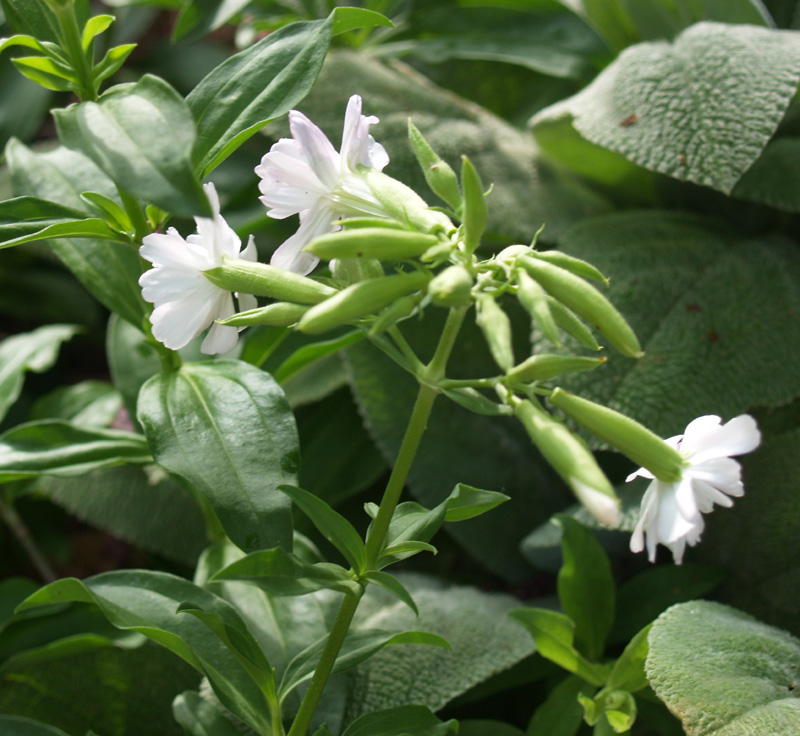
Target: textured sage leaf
{"points": [[110, 271], [722, 672], [696, 330], [198, 717], [655, 104], [773, 179], [141, 136], [409, 720], [258, 84], [146, 601], [31, 351], [18, 726], [225, 427], [56, 447], [484, 643]]}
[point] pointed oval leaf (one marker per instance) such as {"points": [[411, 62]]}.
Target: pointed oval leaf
{"points": [[18, 726], [394, 586], [466, 502]]}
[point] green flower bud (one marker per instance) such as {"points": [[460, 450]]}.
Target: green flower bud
{"points": [[572, 460], [586, 302], [569, 322], [381, 243], [496, 328], [261, 279], [359, 300], [473, 214], [534, 299], [405, 205], [548, 365], [569, 263], [512, 252], [451, 287], [280, 314], [631, 438], [355, 223], [402, 308], [440, 176], [352, 270]]}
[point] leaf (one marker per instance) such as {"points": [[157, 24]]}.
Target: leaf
{"points": [[146, 601], [554, 633], [331, 524], [16, 726], [484, 643], [23, 106], [721, 671], [408, 720], [87, 404], [32, 18], [412, 525], [393, 585], [200, 17], [586, 587], [198, 717], [258, 84], [349, 19], [226, 428], [31, 351], [628, 671], [110, 271], [466, 502], [308, 354], [56, 447], [773, 178], [561, 714], [141, 136], [653, 104], [488, 728], [696, 331]]}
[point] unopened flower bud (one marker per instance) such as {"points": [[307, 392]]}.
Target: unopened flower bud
{"points": [[382, 243], [451, 287], [352, 270], [512, 252], [534, 298], [547, 365], [280, 314], [359, 300], [631, 438], [568, 321], [496, 328], [438, 173], [473, 214], [572, 460]]}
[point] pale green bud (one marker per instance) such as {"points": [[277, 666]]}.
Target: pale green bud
{"points": [[399, 310], [534, 298], [512, 252], [587, 302], [631, 438], [569, 322], [382, 243], [572, 460], [496, 328], [359, 300], [261, 279], [405, 205], [473, 213], [451, 287], [570, 263], [352, 270], [545, 366], [438, 173], [280, 314]]}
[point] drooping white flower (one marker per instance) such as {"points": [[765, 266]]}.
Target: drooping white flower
{"points": [[305, 175], [186, 302], [672, 513]]}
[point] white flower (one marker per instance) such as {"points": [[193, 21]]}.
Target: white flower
{"points": [[305, 175], [186, 302], [671, 513]]}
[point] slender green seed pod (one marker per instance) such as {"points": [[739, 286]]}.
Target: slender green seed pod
{"points": [[438, 173], [381, 243], [570, 263], [473, 214], [568, 321], [641, 445], [280, 314], [496, 328], [534, 299], [545, 366], [352, 270], [261, 279], [572, 460], [399, 310], [405, 205], [359, 300], [451, 287], [587, 302]]}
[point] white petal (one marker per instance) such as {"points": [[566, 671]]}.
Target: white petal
{"points": [[213, 197], [169, 249], [604, 508], [697, 433], [221, 338], [246, 302], [707, 496], [321, 155], [672, 524], [641, 473], [290, 255], [736, 437], [720, 472], [175, 323], [250, 253], [166, 284]]}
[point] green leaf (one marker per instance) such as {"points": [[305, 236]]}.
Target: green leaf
{"points": [[308, 354], [23, 106], [608, 18], [31, 351], [32, 18], [110, 271], [146, 601], [94, 27], [226, 428], [628, 671], [258, 84], [280, 573], [56, 447], [773, 178], [141, 136], [87, 404], [652, 106], [408, 720], [111, 62], [349, 19], [359, 645], [200, 17], [561, 713], [466, 502], [720, 671], [17, 726], [413, 523], [586, 587], [198, 717], [393, 585], [488, 728], [554, 634], [331, 524]]}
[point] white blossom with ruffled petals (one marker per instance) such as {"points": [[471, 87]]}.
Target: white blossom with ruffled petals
{"points": [[672, 513], [186, 302], [305, 175]]}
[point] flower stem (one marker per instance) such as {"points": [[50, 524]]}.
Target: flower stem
{"points": [[20, 530], [380, 526]]}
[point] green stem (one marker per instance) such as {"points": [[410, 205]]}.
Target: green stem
{"points": [[74, 49], [20, 530], [405, 348]]}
